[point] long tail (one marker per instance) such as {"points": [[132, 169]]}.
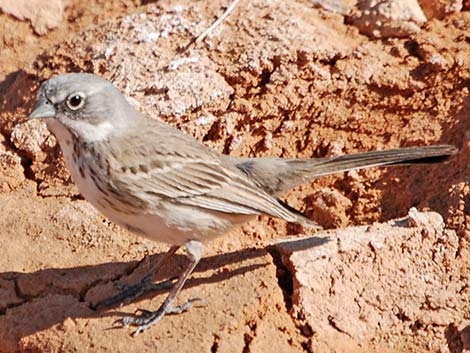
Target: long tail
{"points": [[401, 156], [276, 175]]}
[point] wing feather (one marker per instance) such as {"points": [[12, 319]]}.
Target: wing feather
{"points": [[195, 177]]}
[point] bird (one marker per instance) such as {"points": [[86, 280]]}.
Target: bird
{"points": [[162, 184]]}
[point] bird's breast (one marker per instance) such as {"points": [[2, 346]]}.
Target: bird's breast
{"points": [[160, 220]]}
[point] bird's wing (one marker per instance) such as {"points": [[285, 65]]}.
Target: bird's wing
{"points": [[190, 174]]}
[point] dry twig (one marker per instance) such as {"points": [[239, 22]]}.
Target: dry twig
{"points": [[217, 22]]}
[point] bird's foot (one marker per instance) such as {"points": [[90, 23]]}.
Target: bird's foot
{"points": [[145, 319]]}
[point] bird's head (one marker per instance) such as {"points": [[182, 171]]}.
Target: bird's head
{"points": [[90, 107]]}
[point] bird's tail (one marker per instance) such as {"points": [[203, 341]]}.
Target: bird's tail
{"points": [[276, 175], [402, 156]]}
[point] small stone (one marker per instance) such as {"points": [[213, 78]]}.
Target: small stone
{"points": [[388, 18]]}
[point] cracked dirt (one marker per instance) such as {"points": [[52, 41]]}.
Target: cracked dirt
{"points": [[277, 78]]}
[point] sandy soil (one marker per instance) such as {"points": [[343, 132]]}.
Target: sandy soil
{"points": [[278, 78]]}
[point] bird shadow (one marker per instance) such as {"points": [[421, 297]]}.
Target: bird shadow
{"points": [[58, 301]]}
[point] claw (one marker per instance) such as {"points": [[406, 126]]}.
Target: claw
{"points": [[145, 319], [142, 312], [203, 301], [186, 306], [119, 323]]}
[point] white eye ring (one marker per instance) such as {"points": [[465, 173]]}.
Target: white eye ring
{"points": [[75, 101]]}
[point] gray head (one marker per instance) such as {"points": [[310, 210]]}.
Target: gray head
{"points": [[87, 105]]}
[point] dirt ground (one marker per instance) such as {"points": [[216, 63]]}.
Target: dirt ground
{"points": [[277, 78]]}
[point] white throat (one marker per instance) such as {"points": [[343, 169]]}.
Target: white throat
{"points": [[88, 132]]}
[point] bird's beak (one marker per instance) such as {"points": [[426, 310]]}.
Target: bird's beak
{"points": [[43, 109]]}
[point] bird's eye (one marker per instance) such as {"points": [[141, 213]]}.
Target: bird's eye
{"points": [[75, 101]]}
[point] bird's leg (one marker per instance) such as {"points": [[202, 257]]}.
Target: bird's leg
{"points": [[147, 318], [128, 293]]}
